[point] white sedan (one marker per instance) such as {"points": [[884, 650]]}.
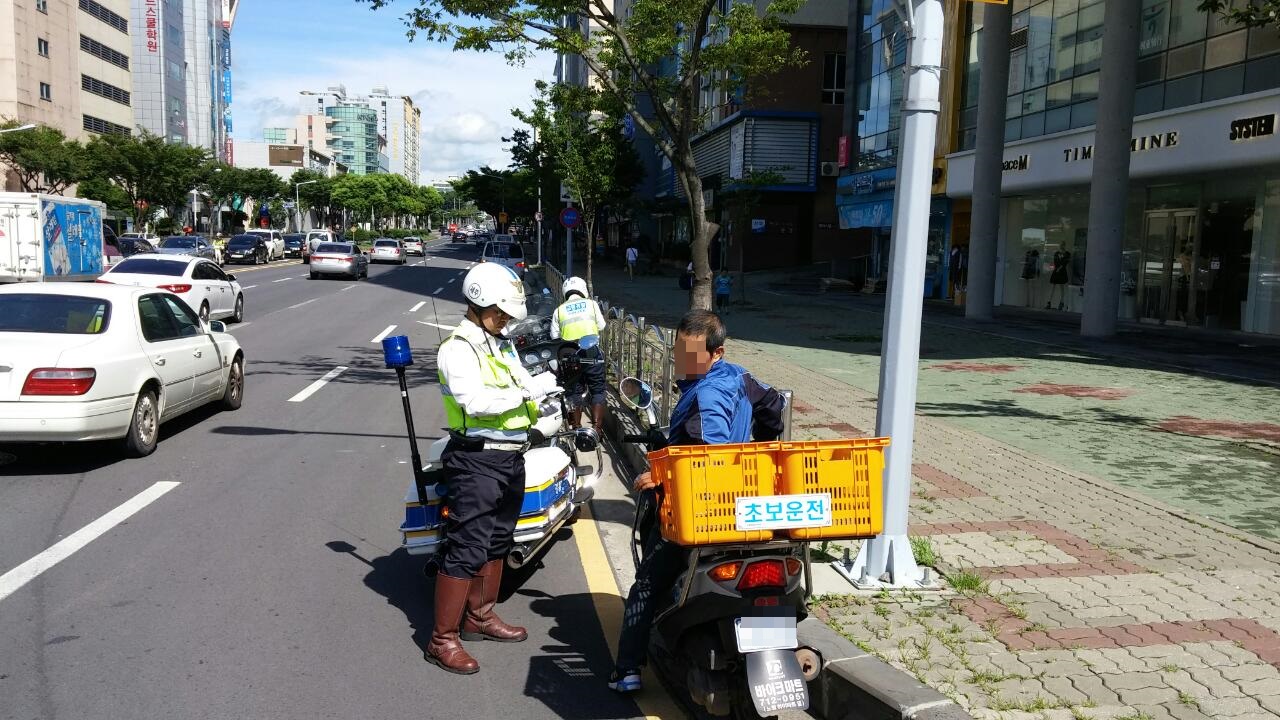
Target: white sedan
{"points": [[213, 293], [89, 361]]}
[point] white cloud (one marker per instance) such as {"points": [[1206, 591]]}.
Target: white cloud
{"points": [[466, 97]]}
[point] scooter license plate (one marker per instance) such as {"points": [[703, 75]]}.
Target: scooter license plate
{"points": [[765, 633]]}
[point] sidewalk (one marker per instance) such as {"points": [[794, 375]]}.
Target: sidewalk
{"points": [[1081, 506]]}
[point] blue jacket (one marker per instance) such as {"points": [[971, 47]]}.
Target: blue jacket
{"points": [[728, 405]]}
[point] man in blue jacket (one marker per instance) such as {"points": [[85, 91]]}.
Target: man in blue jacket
{"points": [[720, 403]]}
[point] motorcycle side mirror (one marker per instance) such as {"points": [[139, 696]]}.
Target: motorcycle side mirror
{"points": [[636, 393]]}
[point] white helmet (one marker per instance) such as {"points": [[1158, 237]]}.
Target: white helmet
{"points": [[489, 284], [575, 284]]}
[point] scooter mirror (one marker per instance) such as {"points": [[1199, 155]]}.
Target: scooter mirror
{"points": [[636, 393]]}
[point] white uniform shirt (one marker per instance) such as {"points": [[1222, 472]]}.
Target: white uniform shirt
{"points": [[462, 374], [555, 318]]}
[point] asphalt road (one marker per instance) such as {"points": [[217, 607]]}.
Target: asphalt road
{"points": [[269, 582]]}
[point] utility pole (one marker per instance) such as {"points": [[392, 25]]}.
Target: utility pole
{"points": [[539, 180], [886, 560]]}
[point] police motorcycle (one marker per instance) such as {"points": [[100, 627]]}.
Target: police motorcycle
{"points": [[555, 486], [727, 633]]}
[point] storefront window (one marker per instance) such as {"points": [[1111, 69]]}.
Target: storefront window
{"points": [[1262, 307], [1045, 252]]}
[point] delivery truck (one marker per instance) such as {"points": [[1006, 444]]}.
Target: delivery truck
{"points": [[49, 237]]}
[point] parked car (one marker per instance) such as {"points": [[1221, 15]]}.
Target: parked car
{"points": [[504, 253], [293, 244], [98, 361], [275, 241], [212, 293], [134, 244], [194, 245], [387, 250], [252, 249], [413, 246], [339, 259]]}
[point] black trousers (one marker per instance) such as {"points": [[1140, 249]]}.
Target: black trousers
{"points": [[486, 490]]}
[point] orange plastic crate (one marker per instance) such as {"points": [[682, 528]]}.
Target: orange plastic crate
{"points": [[851, 470], [701, 484]]}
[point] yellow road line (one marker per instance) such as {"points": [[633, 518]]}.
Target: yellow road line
{"points": [[653, 701]]}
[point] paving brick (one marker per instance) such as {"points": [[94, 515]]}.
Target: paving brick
{"points": [[1148, 696], [1233, 707], [1134, 681]]}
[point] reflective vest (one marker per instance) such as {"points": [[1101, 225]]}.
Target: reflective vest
{"points": [[496, 374], [577, 319]]}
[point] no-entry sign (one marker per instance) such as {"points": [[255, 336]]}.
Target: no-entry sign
{"points": [[569, 217]]}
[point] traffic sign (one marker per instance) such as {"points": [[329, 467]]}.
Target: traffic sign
{"points": [[628, 127], [502, 217], [570, 217], [538, 216]]}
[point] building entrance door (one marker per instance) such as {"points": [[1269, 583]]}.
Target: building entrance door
{"points": [[1169, 252]]}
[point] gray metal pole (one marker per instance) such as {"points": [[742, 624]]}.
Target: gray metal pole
{"points": [[539, 180], [887, 558], [988, 158], [1109, 192]]}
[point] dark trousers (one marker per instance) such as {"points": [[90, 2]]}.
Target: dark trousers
{"points": [[486, 490], [660, 567], [595, 375]]}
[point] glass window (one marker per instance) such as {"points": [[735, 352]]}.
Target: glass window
{"points": [[833, 73], [1065, 7], [1033, 125], [1084, 87], [1059, 94], [1151, 69], [1148, 99], [1064, 33], [1084, 114], [1057, 120], [1017, 71], [156, 320], [1089, 40], [1154, 27], [1186, 22], [1262, 74], [1040, 54], [1185, 60], [59, 314], [1263, 41], [1225, 49], [1219, 25], [186, 322], [1013, 106], [1012, 130], [1182, 92], [1033, 101], [1223, 83]]}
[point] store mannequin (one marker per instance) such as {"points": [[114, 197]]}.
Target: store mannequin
{"points": [[1030, 271], [1059, 275]]}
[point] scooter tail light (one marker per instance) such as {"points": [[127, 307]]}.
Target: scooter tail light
{"points": [[762, 574], [726, 572]]}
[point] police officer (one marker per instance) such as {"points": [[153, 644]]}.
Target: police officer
{"points": [[579, 320], [489, 402]]}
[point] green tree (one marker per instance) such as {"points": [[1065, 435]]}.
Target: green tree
{"points": [[486, 188], [581, 130], [317, 194], [358, 193], [107, 193], [1257, 13], [151, 172], [43, 158], [669, 51]]}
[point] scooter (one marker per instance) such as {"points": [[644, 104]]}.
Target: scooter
{"points": [[727, 634], [555, 486]]}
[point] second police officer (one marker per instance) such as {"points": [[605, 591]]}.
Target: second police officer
{"points": [[579, 320]]}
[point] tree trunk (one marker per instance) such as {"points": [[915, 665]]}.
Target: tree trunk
{"points": [[703, 231], [591, 248]]}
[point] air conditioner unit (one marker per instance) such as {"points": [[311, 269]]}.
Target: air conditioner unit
{"points": [[830, 169]]}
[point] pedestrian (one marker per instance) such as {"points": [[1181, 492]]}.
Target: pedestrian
{"points": [[720, 403], [579, 320], [489, 402], [633, 256], [724, 286]]}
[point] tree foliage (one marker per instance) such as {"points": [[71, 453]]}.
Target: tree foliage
{"points": [[149, 171], [1257, 13], [43, 159], [667, 51]]}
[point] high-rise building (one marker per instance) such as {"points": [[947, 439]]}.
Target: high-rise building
{"points": [[385, 141], [65, 66], [182, 70]]}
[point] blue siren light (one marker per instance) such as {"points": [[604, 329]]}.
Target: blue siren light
{"points": [[396, 352]]}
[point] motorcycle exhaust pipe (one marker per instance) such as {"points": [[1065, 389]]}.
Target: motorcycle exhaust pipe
{"points": [[522, 553], [517, 558]]}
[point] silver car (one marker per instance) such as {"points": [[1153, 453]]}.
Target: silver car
{"points": [[504, 253], [194, 245], [388, 250], [339, 259]]}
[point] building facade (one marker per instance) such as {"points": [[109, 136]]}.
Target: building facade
{"points": [[1202, 222], [182, 71], [379, 132]]}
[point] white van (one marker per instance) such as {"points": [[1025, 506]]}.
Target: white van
{"points": [[314, 238]]}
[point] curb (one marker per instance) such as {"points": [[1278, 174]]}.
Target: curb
{"points": [[853, 684]]}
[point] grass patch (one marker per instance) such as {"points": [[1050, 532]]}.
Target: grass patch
{"points": [[1137, 715], [1017, 611], [922, 549], [968, 582], [1170, 668], [881, 611], [1189, 700], [1078, 714]]}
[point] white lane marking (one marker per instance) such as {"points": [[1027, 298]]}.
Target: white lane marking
{"points": [[248, 287], [239, 325], [349, 287], [282, 279], [418, 307], [379, 337], [314, 387], [437, 325], [305, 302], [438, 291], [11, 581], [303, 276], [422, 262]]}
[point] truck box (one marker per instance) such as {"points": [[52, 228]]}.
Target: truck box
{"points": [[49, 237]]}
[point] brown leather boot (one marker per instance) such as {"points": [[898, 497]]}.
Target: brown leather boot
{"points": [[597, 418], [480, 622], [445, 649]]}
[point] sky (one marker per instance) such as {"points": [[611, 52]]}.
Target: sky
{"points": [[280, 47]]}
